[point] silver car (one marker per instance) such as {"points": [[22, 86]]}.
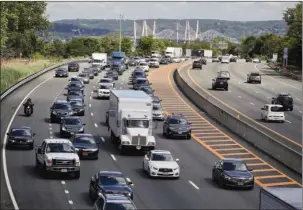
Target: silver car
{"points": [[158, 112], [254, 77]]}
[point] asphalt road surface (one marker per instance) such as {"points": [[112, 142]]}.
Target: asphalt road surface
{"points": [[250, 98], [194, 189]]}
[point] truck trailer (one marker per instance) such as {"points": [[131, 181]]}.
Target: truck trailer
{"points": [[280, 198], [99, 60], [129, 120], [173, 52]]}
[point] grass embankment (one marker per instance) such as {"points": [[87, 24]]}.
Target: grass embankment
{"points": [[15, 70]]}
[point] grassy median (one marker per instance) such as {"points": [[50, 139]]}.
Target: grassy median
{"points": [[15, 70]]}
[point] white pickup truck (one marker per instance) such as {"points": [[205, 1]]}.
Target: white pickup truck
{"points": [[130, 120], [57, 156]]}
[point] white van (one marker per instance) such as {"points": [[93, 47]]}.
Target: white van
{"points": [[272, 112]]}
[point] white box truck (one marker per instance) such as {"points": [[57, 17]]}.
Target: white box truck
{"points": [[279, 198], [188, 53], [130, 121], [169, 52], [208, 53], [99, 60]]}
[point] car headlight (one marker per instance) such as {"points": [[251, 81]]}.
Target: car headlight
{"points": [[63, 128], [227, 177], [94, 149], [251, 178], [155, 168], [77, 162], [170, 128], [29, 140], [54, 112], [175, 169], [71, 113]]}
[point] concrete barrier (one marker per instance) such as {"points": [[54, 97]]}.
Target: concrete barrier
{"points": [[248, 130]]}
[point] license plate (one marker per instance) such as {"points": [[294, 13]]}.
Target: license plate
{"points": [[138, 147], [84, 154], [61, 75], [165, 174], [63, 170], [180, 132], [221, 83], [240, 183]]}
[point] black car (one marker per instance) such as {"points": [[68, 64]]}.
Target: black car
{"points": [[233, 59], [232, 172], [140, 82], [203, 61], [61, 72], [21, 137], [220, 83], [91, 75], [156, 100], [163, 61], [147, 89], [71, 94], [85, 146], [176, 126], [75, 86], [110, 182], [115, 75], [78, 106], [284, 99], [197, 64], [114, 202], [60, 109], [138, 74], [70, 126], [73, 66]]}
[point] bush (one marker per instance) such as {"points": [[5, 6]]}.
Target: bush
{"points": [[37, 56]]}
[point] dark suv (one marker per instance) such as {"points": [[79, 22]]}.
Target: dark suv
{"points": [[220, 83], [197, 64], [177, 125], [284, 99], [73, 66], [60, 109], [114, 201], [61, 72]]}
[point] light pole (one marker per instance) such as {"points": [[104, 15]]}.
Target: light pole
{"points": [[120, 33]]}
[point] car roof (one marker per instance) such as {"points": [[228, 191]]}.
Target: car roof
{"points": [[271, 105], [177, 116], [110, 173], [117, 198], [72, 117], [64, 69], [21, 128], [159, 151], [61, 102], [57, 141], [284, 94], [84, 135], [232, 159]]}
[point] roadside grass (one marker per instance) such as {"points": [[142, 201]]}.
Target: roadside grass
{"points": [[15, 70]]}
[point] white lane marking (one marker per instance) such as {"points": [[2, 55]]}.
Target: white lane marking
{"points": [[268, 97], [92, 114], [194, 185], [51, 137], [66, 192], [94, 86], [62, 182], [50, 133], [239, 97], [256, 92], [287, 121], [89, 105], [70, 202], [113, 157], [96, 125], [50, 124], [239, 83], [252, 103], [90, 98], [121, 88], [298, 99], [6, 177], [272, 88], [279, 80], [92, 92], [102, 139], [50, 128]]}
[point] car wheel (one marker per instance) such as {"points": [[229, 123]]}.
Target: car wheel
{"points": [[226, 89], [282, 121], [44, 172], [220, 183], [188, 136], [96, 158], [37, 163], [251, 188]]}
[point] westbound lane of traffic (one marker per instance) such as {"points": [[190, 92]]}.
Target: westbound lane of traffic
{"points": [[249, 98]]}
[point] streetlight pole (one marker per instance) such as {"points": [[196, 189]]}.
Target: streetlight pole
{"points": [[120, 33]]}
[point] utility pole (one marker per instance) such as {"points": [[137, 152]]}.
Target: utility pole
{"points": [[135, 33], [188, 32], [120, 33]]}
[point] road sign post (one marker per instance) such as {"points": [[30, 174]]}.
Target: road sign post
{"points": [[285, 57]]}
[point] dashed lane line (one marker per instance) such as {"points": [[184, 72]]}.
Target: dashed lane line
{"points": [[113, 157], [96, 125], [194, 185], [252, 103], [102, 139], [92, 114]]}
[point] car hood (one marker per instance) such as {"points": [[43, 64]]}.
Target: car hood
{"points": [[63, 156], [180, 127], [77, 107], [116, 189], [164, 164], [73, 127], [106, 84], [137, 131], [21, 137], [62, 111], [238, 174]]}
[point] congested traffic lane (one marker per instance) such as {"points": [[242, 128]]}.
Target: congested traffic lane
{"points": [[250, 98]]}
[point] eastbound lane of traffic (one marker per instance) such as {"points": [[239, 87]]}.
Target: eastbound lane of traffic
{"points": [[249, 98]]}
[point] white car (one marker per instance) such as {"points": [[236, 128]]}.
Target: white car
{"points": [[256, 60], [158, 112], [160, 163], [104, 90], [106, 81], [144, 66], [154, 63], [225, 60], [273, 112], [176, 60]]}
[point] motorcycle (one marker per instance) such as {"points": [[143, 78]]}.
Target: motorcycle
{"points": [[28, 110]]}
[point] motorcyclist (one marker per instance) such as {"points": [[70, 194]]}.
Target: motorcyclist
{"points": [[30, 104]]}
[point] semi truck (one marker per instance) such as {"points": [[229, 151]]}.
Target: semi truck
{"points": [[129, 120], [174, 52], [119, 58], [99, 60], [280, 198], [203, 53]]}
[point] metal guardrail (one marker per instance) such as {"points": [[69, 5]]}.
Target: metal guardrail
{"points": [[34, 76]]}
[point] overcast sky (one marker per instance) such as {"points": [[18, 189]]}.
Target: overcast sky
{"points": [[240, 11]]}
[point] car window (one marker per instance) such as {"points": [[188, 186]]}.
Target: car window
{"points": [[85, 140], [119, 206], [140, 81], [62, 106], [104, 81], [21, 132], [276, 109], [107, 87], [234, 166], [177, 121], [76, 103], [161, 157], [112, 180], [137, 123], [157, 107], [72, 121], [59, 147]]}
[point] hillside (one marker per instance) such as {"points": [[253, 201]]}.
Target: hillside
{"points": [[233, 29]]}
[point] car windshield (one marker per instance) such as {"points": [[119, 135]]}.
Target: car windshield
{"points": [[82, 75], [141, 81], [76, 103], [234, 166], [62, 106], [157, 107], [75, 79], [75, 93], [61, 70], [137, 123], [85, 140], [221, 79], [161, 157], [107, 87], [60, 147], [153, 60], [276, 109], [75, 85], [224, 74], [255, 74], [21, 132], [177, 121], [139, 73], [112, 180], [104, 81], [72, 121], [143, 64], [119, 206]]}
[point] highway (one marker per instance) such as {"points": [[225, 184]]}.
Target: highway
{"points": [[250, 98], [194, 189]]}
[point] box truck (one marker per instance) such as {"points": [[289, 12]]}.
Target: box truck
{"points": [[188, 53], [99, 60], [129, 120], [173, 52], [280, 198]]}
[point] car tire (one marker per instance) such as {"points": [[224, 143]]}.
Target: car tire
{"points": [[83, 114], [213, 177], [290, 109], [188, 137], [96, 158], [221, 184], [44, 172], [282, 121], [77, 174]]}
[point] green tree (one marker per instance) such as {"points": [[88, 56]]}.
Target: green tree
{"points": [[126, 45]]}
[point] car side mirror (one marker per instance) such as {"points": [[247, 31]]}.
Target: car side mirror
{"points": [[273, 98], [7, 134], [262, 109], [150, 83], [39, 151], [129, 181], [153, 91], [247, 74], [177, 160], [190, 123], [250, 169], [213, 79], [65, 88], [34, 134], [83, 123]]}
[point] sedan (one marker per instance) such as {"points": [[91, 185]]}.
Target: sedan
{"points": [[107, 182], [75, 86], [147, 89], [21, 137], [61, 72], [78, 107], [71, 125], [86, 146], [85, 77], [140, 82], [232, 172], [74, 93]]}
